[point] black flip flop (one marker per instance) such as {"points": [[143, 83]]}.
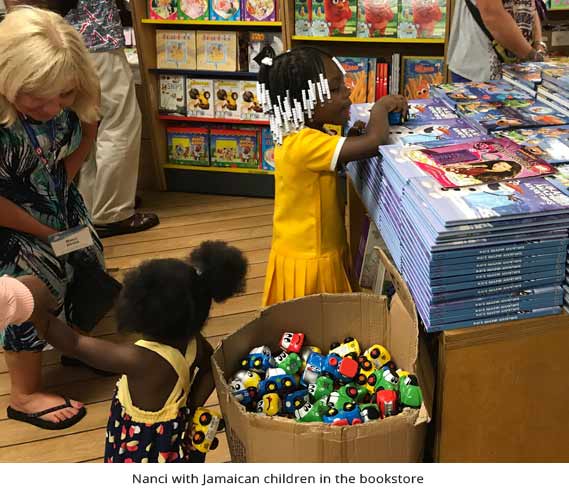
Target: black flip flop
{"points": [[34, 418]]}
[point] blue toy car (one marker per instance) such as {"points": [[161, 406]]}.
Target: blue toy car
{"points": [[350, 415], [294, 401], [277, 381]]}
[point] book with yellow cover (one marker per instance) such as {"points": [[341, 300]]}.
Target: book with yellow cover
{"points": [[175, 49], [216, 51]]}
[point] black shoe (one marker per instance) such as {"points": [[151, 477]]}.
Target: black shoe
{"points": [[137, 202], [71, 361], [139, 222]]}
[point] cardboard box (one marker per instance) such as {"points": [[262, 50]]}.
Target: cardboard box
{"points": [[325, 319], [216, 51], [200, 97], [172, 95], [234, 148], [226, 99], [188, 146], [250, 110]]}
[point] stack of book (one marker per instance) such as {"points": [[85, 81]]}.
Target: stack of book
{"points": [[473, 251], [554, 88]]}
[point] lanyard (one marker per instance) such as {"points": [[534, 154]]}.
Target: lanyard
{"points": [[57, 181]]}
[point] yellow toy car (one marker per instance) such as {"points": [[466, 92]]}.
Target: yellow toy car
{"points": [[349, 348], [270, 404], [378, 355], [206, 423]]}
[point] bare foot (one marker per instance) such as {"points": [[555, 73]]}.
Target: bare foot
{"points": [[40, 401]]}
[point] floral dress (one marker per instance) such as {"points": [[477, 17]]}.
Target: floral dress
{"points": [[42, 191], [134, 435]]}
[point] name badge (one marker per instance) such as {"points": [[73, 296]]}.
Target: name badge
{"points": [[70, 240]]}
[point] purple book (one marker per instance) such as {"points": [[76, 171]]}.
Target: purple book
{"points": [[259, 10]]}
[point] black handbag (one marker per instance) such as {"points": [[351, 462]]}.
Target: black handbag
{"points": [[91, 293]]}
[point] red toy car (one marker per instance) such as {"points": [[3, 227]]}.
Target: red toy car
{"points": [[291, 342], [386, 400]]}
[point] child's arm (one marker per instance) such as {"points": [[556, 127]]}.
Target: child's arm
{"points": [[74, 161], [203, 385], [100, 354], [16, 218], [376, 132]]}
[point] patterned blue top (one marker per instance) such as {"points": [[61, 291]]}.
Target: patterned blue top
{"points": [[100, 24]]}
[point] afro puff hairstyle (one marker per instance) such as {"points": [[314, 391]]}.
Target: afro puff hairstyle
{"points": [[171, 298]]}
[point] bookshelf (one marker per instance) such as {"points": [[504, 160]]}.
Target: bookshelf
{"points": [[189, 178]]}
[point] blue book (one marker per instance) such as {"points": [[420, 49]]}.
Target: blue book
{"points": [[429, 110], [413, 133], [491, 91]]}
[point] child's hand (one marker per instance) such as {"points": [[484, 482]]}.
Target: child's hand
{"points": [[394, 103]]}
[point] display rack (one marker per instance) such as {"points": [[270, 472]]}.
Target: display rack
{"points": [[195, 179]]}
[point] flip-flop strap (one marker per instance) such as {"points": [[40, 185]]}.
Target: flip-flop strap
{"points": [[51, 409]]}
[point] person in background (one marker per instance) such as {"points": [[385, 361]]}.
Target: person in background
{"points": [[513, 24], [108, 180], [49, 107]]}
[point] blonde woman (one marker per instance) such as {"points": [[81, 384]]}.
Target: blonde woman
{"points": [[47, 89]]}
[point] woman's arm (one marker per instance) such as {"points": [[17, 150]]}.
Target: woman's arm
{"points": [[16, 218], [74, 161], [503, 27], [100, 354]]}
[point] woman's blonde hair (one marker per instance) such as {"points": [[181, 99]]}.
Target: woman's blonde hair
{"points": [[42, 55]]}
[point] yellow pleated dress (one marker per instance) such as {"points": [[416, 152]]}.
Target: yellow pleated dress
{"points": [[309, 252]]}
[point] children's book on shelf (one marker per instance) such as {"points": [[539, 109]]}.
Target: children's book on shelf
{"points": [[234, 148], [267, 150], [437, 131], [250, 110], [176, 49], [258, 41], [551, 143], [194, 10], [199, 98], [224, 10], [216, 51], [429, 110], [474, 162], [188, 146], [419, 74], [303, 17], [259, 10], [163, 9], [334, 17], [422, 19], [226, 98], [172, 94], [356, 69], [371, 80], [377, 18]]}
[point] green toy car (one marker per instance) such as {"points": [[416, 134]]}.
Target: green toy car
{"points": [[410, 394], [289, 362], [323, 387], [310, 413]]}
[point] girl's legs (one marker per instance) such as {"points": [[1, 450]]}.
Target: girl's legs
{"points": [[25, 394]]}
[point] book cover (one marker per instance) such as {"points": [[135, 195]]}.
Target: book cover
{"points": [[172, 94], [510, 199], [195, 10], [227, 101], [492, 91], [356, 77], [267, 150], [419, 74], [511, 114], [224, 10], [250, 109], [199, 97], [551, 143], [334, 17], [429, 110], [188, 146], [377, 18], [422, 19], [258, 41], [558, 4], [163, 9], [303, 17], [175, 49], [371, 80], [560, 179], [438, 131], [216, 51], [259, 10], [234, 148]]}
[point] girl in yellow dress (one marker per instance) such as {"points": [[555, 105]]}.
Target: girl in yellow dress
{"points": [[301, 90]]}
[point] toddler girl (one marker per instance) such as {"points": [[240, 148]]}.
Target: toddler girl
{"points": [[302, 90], [168, 302]]}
